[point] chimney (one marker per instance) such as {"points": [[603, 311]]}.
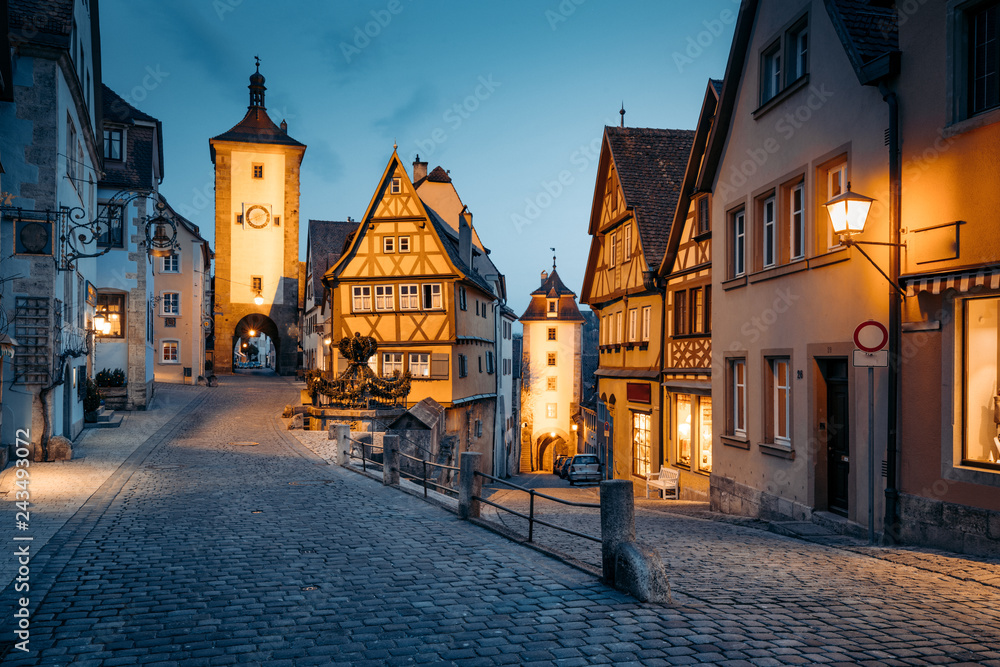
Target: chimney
{"points": [[419, 169], [284, 127], [545, 276], [464, 239]]}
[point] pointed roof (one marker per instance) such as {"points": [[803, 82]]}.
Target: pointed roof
{"points": [[651, 164], [256, 126], [553, 288], [444, 232], [694, 167], [868, 31]]}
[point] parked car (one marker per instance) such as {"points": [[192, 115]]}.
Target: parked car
{"points": [[583, 468], [557, 464], [564, 467]]}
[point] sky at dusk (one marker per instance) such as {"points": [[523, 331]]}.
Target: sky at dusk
{"points": [[507, 96]]}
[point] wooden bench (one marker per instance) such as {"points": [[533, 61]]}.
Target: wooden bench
{"points": [[665, 480]]}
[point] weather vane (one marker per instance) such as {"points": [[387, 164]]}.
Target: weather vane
{"points": [[257, 60], [553, 258]]}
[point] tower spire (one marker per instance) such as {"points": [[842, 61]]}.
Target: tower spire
{"points": [[553, 258], [622, 112], [257, 87]]}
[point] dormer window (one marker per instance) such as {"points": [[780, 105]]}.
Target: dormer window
{"points": [[114, 142], [552, 307]]}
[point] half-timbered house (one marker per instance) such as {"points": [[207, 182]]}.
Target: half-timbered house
{"points": [[687, 340], [407, 279], [638, 180]]}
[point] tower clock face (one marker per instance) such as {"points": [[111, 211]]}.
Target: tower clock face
{"points": [[257, 216]]}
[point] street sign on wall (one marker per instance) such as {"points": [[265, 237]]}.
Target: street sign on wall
{"points": [[878, 359]]}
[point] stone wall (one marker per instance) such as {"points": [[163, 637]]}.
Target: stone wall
{"points": [[730, 497], [934, 523]]}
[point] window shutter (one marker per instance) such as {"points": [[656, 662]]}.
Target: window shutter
{"points": [[439, 366]]}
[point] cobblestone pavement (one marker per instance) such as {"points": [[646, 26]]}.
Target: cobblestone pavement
{"points": [[203, 549]]}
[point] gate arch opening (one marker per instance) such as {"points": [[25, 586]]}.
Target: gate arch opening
{"points": [[251, 327]]}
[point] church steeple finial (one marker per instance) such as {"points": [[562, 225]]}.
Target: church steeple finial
{"points": [[257, 87], [553, 259], [622, 112]]}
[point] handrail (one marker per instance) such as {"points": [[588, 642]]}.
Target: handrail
{"points": [[531, 508], [426, 479], [364, 460]]}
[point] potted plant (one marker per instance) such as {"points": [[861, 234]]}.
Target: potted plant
{"points": [[91, 402]]}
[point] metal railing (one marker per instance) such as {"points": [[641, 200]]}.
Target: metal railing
{"points": [[441, 488], [363, 458], [530, 516]]}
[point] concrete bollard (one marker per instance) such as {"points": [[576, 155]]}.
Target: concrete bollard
{"points": [[617, 523], [342, 434], [469, 485], [390, 460]]}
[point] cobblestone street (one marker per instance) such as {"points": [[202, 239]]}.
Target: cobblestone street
{"points": [[222, 539]]}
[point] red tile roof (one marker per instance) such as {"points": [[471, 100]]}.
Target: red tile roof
{"points": [[651, 165]]}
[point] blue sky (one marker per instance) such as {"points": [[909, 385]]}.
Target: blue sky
{"points": [[504, 95]]}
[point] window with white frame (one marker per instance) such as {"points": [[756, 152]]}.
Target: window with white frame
{"points": [[619, 319], [409, 297], [769, 236], [362, 298], [738, 244], [770, 72], [633, 321], [836, 184], [170, 352], [171, 304], [388, 244], [627, 246], [404, 244], [613, 249], [647, 312], [397, 185], [797, 48], [420, 364], [384, 297], [392, 362], [171, 263], [780, 399], [432, 296], [796, 219], [736, 397]]}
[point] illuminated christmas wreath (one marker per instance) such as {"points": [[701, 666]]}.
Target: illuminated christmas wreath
{"points": [[358, 384]]}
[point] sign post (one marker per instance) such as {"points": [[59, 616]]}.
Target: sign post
{"points": [[870, 337]]}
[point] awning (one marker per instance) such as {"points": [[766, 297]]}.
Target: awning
{"points": [[7, 345], [987, 277]]}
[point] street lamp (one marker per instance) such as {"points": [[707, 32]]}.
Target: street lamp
{"points": [[848, 213], [258, 299], [253, 333]]}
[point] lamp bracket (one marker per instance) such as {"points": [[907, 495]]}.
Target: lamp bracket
{"points": [[848, 242]]}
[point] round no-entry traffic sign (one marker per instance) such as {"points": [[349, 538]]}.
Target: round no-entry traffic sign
{"points": [[871, 336], [607, 429]]}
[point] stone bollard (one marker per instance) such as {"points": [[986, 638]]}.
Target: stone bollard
{"points": [[617, 523], [341, 433], [390, 460], [469, 485]]}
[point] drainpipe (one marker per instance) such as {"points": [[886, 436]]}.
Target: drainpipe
{"points": [[890, 533]]}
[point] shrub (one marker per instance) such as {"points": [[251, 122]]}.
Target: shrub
{"points": [[111, 378], [92, 400]]}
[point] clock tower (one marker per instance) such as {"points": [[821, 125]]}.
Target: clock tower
{"points": [[256, 234]]}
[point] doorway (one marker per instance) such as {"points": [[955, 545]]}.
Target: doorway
{"points": [[838, 443]]}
